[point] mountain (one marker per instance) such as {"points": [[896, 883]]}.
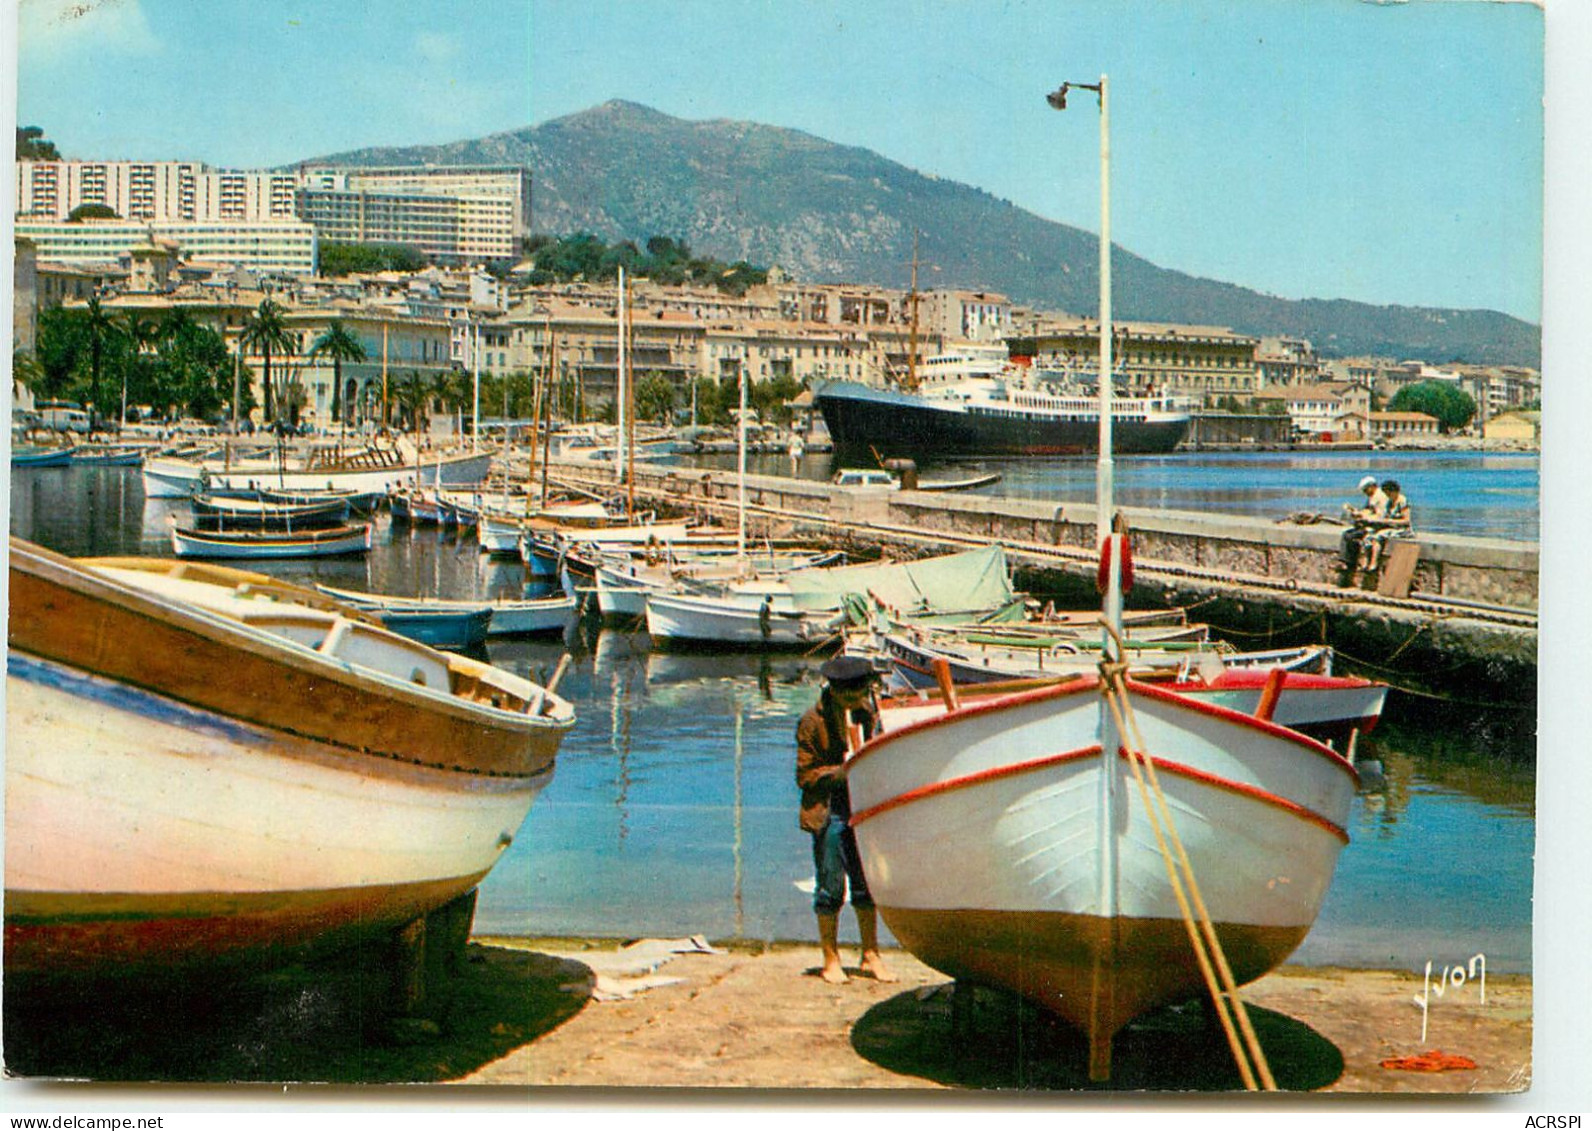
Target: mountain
{"points": [[832, 213]]}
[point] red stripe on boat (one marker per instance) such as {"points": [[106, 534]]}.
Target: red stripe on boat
{"points": [[1264, 796], [1017, 699], [934, 788]]}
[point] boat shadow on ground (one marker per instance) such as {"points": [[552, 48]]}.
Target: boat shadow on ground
{"points": [[1009, 1043], [322, 1023]]}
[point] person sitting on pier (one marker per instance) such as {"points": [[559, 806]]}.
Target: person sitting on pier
{"points": [[821, 745], [1363, 521], [1394, 523]]}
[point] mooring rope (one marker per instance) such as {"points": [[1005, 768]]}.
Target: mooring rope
{"points": [[1224, 996]]}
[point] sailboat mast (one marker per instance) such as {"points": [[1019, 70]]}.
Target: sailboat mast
{"points": [[912, 331], [619, 331], [1104, 469], [547, 424], [630, 415], [740, 476]]}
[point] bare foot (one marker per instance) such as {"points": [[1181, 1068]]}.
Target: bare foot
{"points": [[873, 963], [833, 974]]}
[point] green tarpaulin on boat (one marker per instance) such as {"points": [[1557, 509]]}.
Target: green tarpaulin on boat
{"points": [[972, 582]]}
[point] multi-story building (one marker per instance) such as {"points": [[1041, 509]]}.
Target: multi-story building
{"points": [[451, 213], [972, 316], [153, 190], [284, 247], [1325, 408], [1204, 361], [1286, 361]]}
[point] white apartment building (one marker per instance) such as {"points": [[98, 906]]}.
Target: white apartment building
{"points": [[973, 316], [452, 213], [265, 246], [153, 190]]}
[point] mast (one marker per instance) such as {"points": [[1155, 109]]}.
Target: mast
{"points": [[912, 332], [547, 430], [619, 381], [740, 481], [475, 410], [630, 417]]}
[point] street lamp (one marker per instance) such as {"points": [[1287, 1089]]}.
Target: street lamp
{"points": [[1103, 468]]}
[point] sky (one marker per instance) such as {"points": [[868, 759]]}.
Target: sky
{"points": [[1387, 152]]}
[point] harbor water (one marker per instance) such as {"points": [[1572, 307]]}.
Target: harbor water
{"points": [[1477, 494], [673, 808]]}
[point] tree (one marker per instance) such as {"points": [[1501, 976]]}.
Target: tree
{"points": [[412, 391], [367, 258], [1451, 405], [101, 330], [32, 145], [265, 333], [91, 212], [772, 398], [339, 344], [655, 399]]}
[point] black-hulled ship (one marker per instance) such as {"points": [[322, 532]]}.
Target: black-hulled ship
{"points": [[970, 409]]}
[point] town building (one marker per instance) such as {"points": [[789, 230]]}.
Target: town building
{"points": [[1403, 425], [153, 190], [1324, 410], [1207, 362], [458, 214], [286, 247]]}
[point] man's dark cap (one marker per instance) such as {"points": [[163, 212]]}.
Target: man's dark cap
{"points": [[847, 671]]}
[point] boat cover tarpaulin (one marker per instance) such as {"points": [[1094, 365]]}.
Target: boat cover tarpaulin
{"points": [[974, 581]]}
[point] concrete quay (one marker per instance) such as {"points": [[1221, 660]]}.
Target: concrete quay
{"points": [[1468, 630]]}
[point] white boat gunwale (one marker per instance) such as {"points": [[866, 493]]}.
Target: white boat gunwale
{"points": [[1092, 682], [498, 723]]}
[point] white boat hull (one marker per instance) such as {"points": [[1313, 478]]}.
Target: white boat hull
{"points": [[674, 617], [175, 478], [1001, 846]]}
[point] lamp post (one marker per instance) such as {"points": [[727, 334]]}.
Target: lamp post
{"points": [[1104, 471]]}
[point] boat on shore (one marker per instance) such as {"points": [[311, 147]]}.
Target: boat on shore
{"points": [[187, 542], [188, 751]]}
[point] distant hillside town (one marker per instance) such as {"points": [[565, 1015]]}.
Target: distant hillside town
{"points": [[143, 241]]}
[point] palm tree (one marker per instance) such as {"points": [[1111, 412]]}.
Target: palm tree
{"points": [[412, 391], [266, 333], [142, 334], [101, 329], [339, 344]]}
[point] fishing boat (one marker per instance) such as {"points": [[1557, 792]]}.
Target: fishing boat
{"points": [[375, 470], [200, 770], [331, 542], [220, 512], [110, 455], [1103, 846], [1329, 708], [38, 455], [504, 616], [681, 619]]}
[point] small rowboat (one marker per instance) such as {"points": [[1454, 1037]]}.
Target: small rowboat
{"points": [[257, 514], [34, 455], [506, 616], [203, 770], [438, 627], [678, 618], [190, 543]]}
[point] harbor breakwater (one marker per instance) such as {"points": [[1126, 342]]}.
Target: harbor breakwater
{"points": [[1467, 631]]}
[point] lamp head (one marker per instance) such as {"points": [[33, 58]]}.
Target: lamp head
{"points": [[1058, 97]]}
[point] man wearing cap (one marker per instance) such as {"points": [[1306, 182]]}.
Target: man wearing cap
{"points": [[1363, 519], [821, 745]]}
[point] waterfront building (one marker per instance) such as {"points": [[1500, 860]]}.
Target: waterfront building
{"points": [[973, 316], [465, 214], [24, 295], [1403, 425], [1524, 428], [1207, 362], [1286, 361], [270, 246], [1321, 409]]}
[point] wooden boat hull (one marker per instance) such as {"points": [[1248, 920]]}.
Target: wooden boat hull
{"points": [[1002, 846], [440, 628], [504, 617], [316, 795], [174, 478], [304, 544], [674, 618], [42, 457]]}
